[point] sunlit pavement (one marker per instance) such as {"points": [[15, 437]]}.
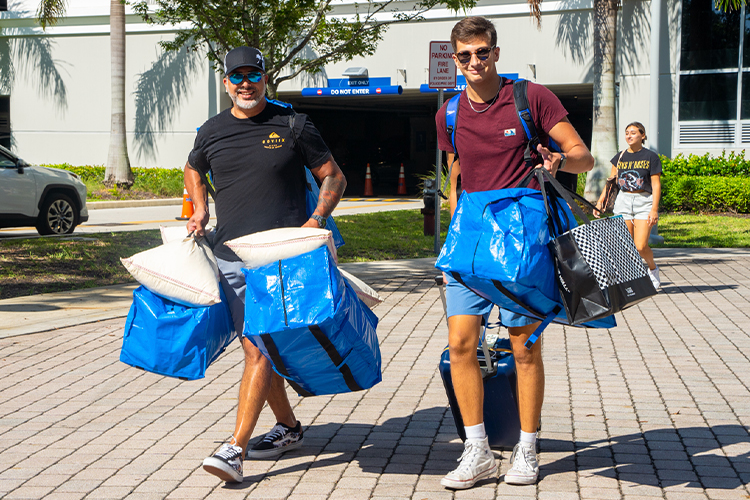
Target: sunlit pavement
{"points": [[657, 407]]}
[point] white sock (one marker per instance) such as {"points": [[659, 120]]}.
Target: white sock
{"points": [[528, 438], [475, 432]]}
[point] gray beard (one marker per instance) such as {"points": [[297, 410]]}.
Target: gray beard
{"points": [[245, 104]]}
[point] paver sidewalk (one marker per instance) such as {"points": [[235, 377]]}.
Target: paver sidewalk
{"points": [[657, 407]]}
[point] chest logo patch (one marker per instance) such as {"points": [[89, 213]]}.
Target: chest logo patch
{"points": [[510, 132], [274, 141]]}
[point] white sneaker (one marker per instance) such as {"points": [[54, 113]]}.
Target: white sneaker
{"points": [[477, 463], [654, 274], [525, 468], [226, 464]]}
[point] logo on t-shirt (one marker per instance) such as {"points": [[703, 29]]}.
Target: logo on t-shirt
{"points": [[509, 132], [274, 141]]}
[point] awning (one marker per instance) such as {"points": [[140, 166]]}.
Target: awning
{"points": [[359, 86], [461, 83]]}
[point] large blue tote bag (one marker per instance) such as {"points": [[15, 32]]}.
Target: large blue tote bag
{"points": [[497, 246], [306, 319], [172, 339]]}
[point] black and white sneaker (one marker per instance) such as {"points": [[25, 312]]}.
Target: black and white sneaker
{"points": [[281, 439], [226, 464]]}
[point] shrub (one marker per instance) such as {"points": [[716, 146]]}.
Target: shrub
{"points": [[159, 181], [692, 193], [726, 165]]}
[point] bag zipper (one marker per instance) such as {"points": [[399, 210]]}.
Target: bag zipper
{"points": [[283, 296]]}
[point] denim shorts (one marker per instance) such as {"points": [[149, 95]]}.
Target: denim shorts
{"points": [[462, 301], [633, 205]]}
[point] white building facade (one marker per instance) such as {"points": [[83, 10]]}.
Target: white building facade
{"points": [[55, 100]]}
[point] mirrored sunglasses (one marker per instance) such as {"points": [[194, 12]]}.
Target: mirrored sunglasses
{"points": [[482, 54], [254, 77]]}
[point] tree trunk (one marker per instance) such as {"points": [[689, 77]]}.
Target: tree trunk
{"points": [[271, 89], [118, 171], [604, 127]]}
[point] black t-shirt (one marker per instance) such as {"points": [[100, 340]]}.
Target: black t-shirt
{"points": [[259, 176], [634, 170]]}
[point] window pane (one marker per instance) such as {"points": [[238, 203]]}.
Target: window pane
{"points": [[710, 38], [708, 97], [745, 110], [746, 51]]}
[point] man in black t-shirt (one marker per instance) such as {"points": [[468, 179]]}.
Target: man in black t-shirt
{"points": [[257, 165]]}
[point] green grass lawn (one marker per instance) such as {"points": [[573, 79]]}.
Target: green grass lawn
{"points": [[704, 231]]}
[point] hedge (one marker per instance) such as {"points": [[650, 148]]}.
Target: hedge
{"points": [[160, 181], [692, 193], [726, 165]]}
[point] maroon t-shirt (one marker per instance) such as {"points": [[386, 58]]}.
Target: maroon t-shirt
{"points": [[491, 144]]}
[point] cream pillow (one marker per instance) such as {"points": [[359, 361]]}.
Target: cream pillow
{"points": [[183, 271], [366, 294], [259, 249]]}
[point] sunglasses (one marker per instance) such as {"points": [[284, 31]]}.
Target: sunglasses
{"points": [[482, 54], [254, 77]]}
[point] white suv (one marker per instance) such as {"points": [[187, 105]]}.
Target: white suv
{"points": [[51, 199]]}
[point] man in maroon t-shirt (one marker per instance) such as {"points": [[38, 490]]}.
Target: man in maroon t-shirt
{"points": [[491, 142]]}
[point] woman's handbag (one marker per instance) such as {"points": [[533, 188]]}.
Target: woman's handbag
{"points": [[599, 270], [610, 190]]}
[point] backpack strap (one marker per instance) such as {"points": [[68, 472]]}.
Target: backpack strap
{"points": [[521, 100], [451, 118]]}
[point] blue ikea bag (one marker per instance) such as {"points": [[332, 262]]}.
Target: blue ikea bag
{"points": [[171, 339], [311, 201], [497, 247], [308, 321]]}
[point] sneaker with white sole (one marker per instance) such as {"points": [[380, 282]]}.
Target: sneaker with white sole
{"points": [[281, 439], [477, 463], [655, 279], [525, 467], [226, 464]]}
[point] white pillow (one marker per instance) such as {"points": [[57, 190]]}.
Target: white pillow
{"points": [[259, 249], [184, 271], [366, 294], [175, 233]]}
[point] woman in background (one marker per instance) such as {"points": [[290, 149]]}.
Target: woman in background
{"points": [[638, 172]]}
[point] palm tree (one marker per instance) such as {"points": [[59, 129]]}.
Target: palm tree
{"points": [[604, 128], [118, 172]]}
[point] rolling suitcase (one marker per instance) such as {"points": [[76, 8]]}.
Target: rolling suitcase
{"points": [[500, 411]]}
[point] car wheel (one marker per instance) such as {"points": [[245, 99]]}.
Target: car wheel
{"points": [[58, 215]]}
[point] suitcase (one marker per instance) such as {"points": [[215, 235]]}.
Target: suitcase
{"points": [[500, 410]]}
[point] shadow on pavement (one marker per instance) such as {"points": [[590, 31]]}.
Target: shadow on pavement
{"points": [[642, 457], [30, 307], [680, 289]]}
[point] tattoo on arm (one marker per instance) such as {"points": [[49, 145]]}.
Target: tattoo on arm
{"points": [[331, 190]]}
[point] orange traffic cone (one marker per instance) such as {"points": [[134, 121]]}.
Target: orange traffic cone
{"points": [[187, 206], [368, 182], [401, 181]]}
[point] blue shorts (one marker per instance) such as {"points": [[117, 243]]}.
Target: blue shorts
{"points": [[460, 301]]}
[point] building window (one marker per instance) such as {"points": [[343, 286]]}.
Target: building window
{"points": [[3, 5], [714, 80], [5, 121]]}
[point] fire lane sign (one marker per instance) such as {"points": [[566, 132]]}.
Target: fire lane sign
{"points": [[442, 67]]}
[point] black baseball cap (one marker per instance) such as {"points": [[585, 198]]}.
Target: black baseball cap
{"points": [[243, 56]]}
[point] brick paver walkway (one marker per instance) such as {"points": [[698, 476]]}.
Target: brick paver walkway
{"points": [[658, 407]]}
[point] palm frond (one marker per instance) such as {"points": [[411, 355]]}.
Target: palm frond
{"points": [[51, 11], [729, 5]]}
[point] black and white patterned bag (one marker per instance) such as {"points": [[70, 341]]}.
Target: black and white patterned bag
{"points": [[599, 270]]}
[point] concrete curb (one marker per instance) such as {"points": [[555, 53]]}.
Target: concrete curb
{"points": [[159, 202]]}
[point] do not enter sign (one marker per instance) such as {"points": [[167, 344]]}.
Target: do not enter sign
{"points": [[442, 67]]}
